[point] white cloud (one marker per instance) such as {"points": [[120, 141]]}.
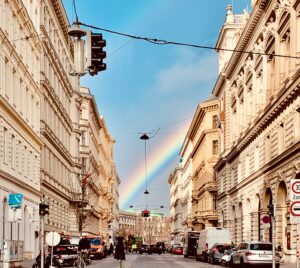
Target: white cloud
{"points": [[188, 72]]}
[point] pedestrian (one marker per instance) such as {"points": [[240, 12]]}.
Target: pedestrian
{"points": [[111, 249], [120, 252]]}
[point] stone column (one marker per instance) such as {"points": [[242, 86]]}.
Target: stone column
{"points": [[255, 225]]}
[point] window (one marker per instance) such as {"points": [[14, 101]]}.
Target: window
{"points": [[13, 152], [5, 145], [83, 137], [215, 121], [215, 147], [83, 162]]}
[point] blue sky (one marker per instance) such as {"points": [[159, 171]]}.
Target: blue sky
{"points": [[147, 86]]}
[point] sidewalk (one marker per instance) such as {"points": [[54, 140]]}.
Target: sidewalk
{"points": [[288, 265]]}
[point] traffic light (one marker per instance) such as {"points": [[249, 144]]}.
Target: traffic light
{"points": [[44, 209], [271, 210], [145, 213], [95, 53]]}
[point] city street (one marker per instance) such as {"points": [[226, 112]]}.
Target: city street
{"points": [[151, 261]]}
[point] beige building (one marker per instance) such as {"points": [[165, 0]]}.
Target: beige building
{"points": [[60, 115], [259, 116], [90, 126], [20, 104], [185, 195], [113, 227], [107, 173], [155, 228], [204, 135], [176, 211]]}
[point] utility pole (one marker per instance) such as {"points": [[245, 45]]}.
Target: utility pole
{"points": [[42, 235]]}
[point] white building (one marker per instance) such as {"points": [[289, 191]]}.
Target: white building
{"points": [[20, 104], [259, 114]]}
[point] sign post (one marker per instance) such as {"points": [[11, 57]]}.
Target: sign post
{"points": [[295, 210]]}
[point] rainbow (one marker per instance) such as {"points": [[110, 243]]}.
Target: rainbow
{"points": [[157, 160]]}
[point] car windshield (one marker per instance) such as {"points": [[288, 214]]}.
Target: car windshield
{"points": [[261, 247], [95, 241]]}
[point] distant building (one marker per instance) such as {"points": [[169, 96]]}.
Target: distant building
{"points": [[204, 135]]}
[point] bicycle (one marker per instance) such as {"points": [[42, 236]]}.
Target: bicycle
{"points": [[80, 262]]}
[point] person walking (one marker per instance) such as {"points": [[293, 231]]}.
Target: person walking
{"points": [[111, 249], [120, 252]]}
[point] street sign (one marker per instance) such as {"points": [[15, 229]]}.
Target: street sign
{"points": [[295, 208], [266, 219], [53, 239], [295, 190], [15, 200]]}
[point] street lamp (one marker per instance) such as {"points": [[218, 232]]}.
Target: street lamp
{"points": [[145, 137]]}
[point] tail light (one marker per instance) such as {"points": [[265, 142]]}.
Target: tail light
{"points": [[61, 249], [249, 253]]}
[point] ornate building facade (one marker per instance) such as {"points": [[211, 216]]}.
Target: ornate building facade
{"points": [[90, 126], [260, 117], [60, 115], [204, 135], [20, 104], [107, 176]]}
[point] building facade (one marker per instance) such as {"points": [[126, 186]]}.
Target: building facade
{"points": [[260, 116], [107, 173], [90, 126], [60, 115], [185, 195], [204, 135], [175, 182], [20, 104]]}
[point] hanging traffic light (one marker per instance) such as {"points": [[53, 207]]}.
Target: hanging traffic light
{"points": [[145, 213], [95, 54], [44, 209]]}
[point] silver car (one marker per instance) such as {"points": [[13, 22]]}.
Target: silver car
{"points": [[254, 253]]}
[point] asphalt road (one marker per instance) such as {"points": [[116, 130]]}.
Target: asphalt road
{"points": [[151, 261]]}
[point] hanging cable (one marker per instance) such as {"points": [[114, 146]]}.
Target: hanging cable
{"points": [[165, 42], [75, 10]]}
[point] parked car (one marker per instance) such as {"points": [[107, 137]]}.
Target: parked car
{"points": [[208, 237], [170, 249], [154, 249], [190, 243], [162, 246], [217, 251], [64, 254], [177, 250], [254, 253], [143, 249]]}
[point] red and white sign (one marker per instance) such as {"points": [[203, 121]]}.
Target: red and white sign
{"points": [[295, 208], [266, 219], [295, 201], [295, 190]]}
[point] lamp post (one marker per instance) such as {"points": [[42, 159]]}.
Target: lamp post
{"points": [[145, 137]]}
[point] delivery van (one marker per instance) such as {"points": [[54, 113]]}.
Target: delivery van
{"points": [[208, 237], [190, 243]]}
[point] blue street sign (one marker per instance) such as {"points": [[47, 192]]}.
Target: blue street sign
{"points": [[15, 200]]}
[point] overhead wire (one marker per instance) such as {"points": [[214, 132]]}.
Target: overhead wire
{"points": [[165, 42]]}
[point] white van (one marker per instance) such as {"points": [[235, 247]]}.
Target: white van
{"points": [[208, 237]]}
